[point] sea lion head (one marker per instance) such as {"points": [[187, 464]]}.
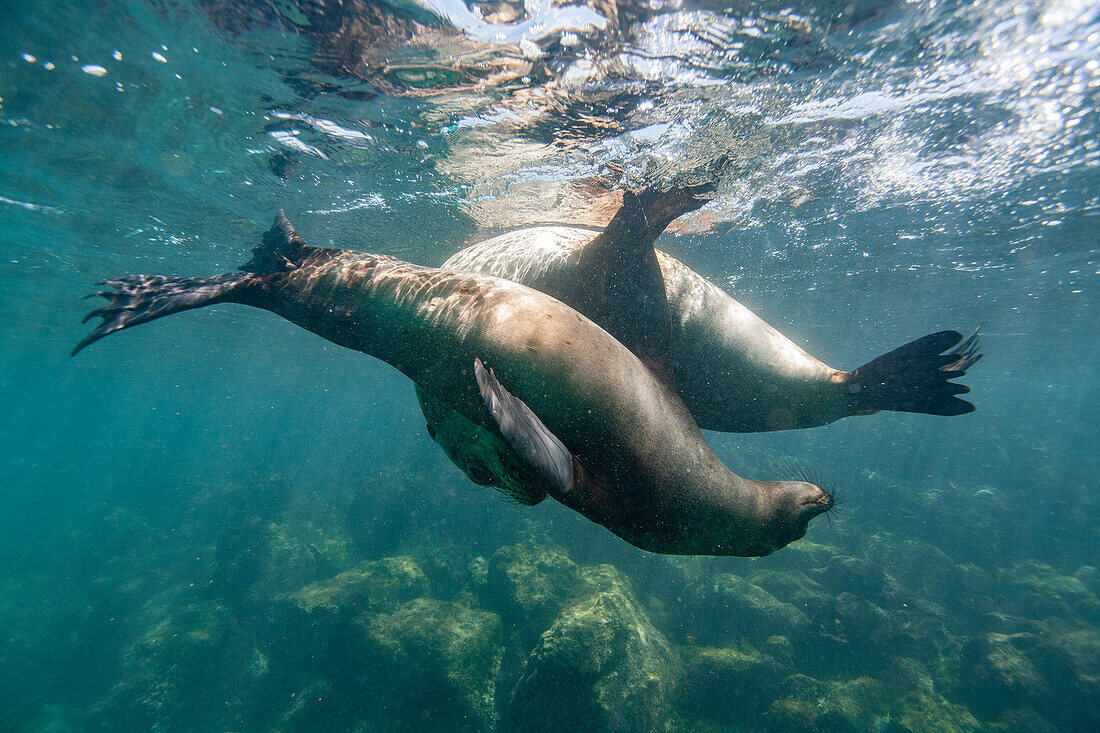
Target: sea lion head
{"points": [[778, 514], [788, 506]]}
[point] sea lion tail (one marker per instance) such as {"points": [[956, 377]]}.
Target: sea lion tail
{"points": [[916, 377], [141, 298]]}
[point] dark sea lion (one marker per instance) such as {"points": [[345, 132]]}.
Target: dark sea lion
{"points": [[734, 372], [584, 419]]}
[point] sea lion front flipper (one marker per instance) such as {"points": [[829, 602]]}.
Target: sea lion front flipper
{"points": [[521, 428], [620, 286], [479, 452]]}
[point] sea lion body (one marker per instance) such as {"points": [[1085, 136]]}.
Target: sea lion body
{"points": [[734, 371], [640, 466]]}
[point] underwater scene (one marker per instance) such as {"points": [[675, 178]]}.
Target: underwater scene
{"points": [[608, 365]]}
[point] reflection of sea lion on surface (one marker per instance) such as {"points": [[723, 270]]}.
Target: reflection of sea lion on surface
{"points": [[587, 422]]}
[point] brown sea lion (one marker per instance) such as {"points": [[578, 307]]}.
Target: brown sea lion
{"points": [[734, 372], [586, 421]]}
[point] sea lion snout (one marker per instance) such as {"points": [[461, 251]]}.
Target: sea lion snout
{"points": [[794, 504]]}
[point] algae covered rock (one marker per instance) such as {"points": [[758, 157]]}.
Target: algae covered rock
{"points": [[850, 633], [315, 705], [601, 666], [375, 585], [432, 664], [312, 632], [903, 701], [794, 588], [529, 583], [1003, 672], [1037, 591], [855, 575], [729, 608], [728, 685], [180, 673]]}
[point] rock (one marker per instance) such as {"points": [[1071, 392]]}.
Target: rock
{"points": [[849, 634], [477, 572], [854, 575], [316, 706], [182, 673], [255, 559], [1003, 672], [795, 588], [1089, 575], [370, 586], [791, 716], [920, 708], [601, 666], [972, 599], [446, 565], [804, 555], [1020, 721], [313, 632], [781, 650], [432, 664], [728, 685], [918, 567], [903, 702], [999, 673], [729, 609], [528, 584], [857, 705], [1037, 591], [796, 708]]}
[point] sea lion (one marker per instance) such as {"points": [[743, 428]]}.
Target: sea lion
{"points": [[586, 420], [734, 372]]}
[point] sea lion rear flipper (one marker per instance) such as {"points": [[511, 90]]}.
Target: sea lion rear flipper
{"points": [[139, 299], [282, 249], [664, 207], [621, 288], [528, 437], [915, 377]]}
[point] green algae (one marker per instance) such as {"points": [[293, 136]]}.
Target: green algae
{"points": [[601, 665], [372, 585], [290, 626], [729, 686], [907, 702], [730, 608], [446, 648], [529, 582]]}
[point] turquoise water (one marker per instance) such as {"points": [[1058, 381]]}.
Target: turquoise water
{"points": [[222, 522]]}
